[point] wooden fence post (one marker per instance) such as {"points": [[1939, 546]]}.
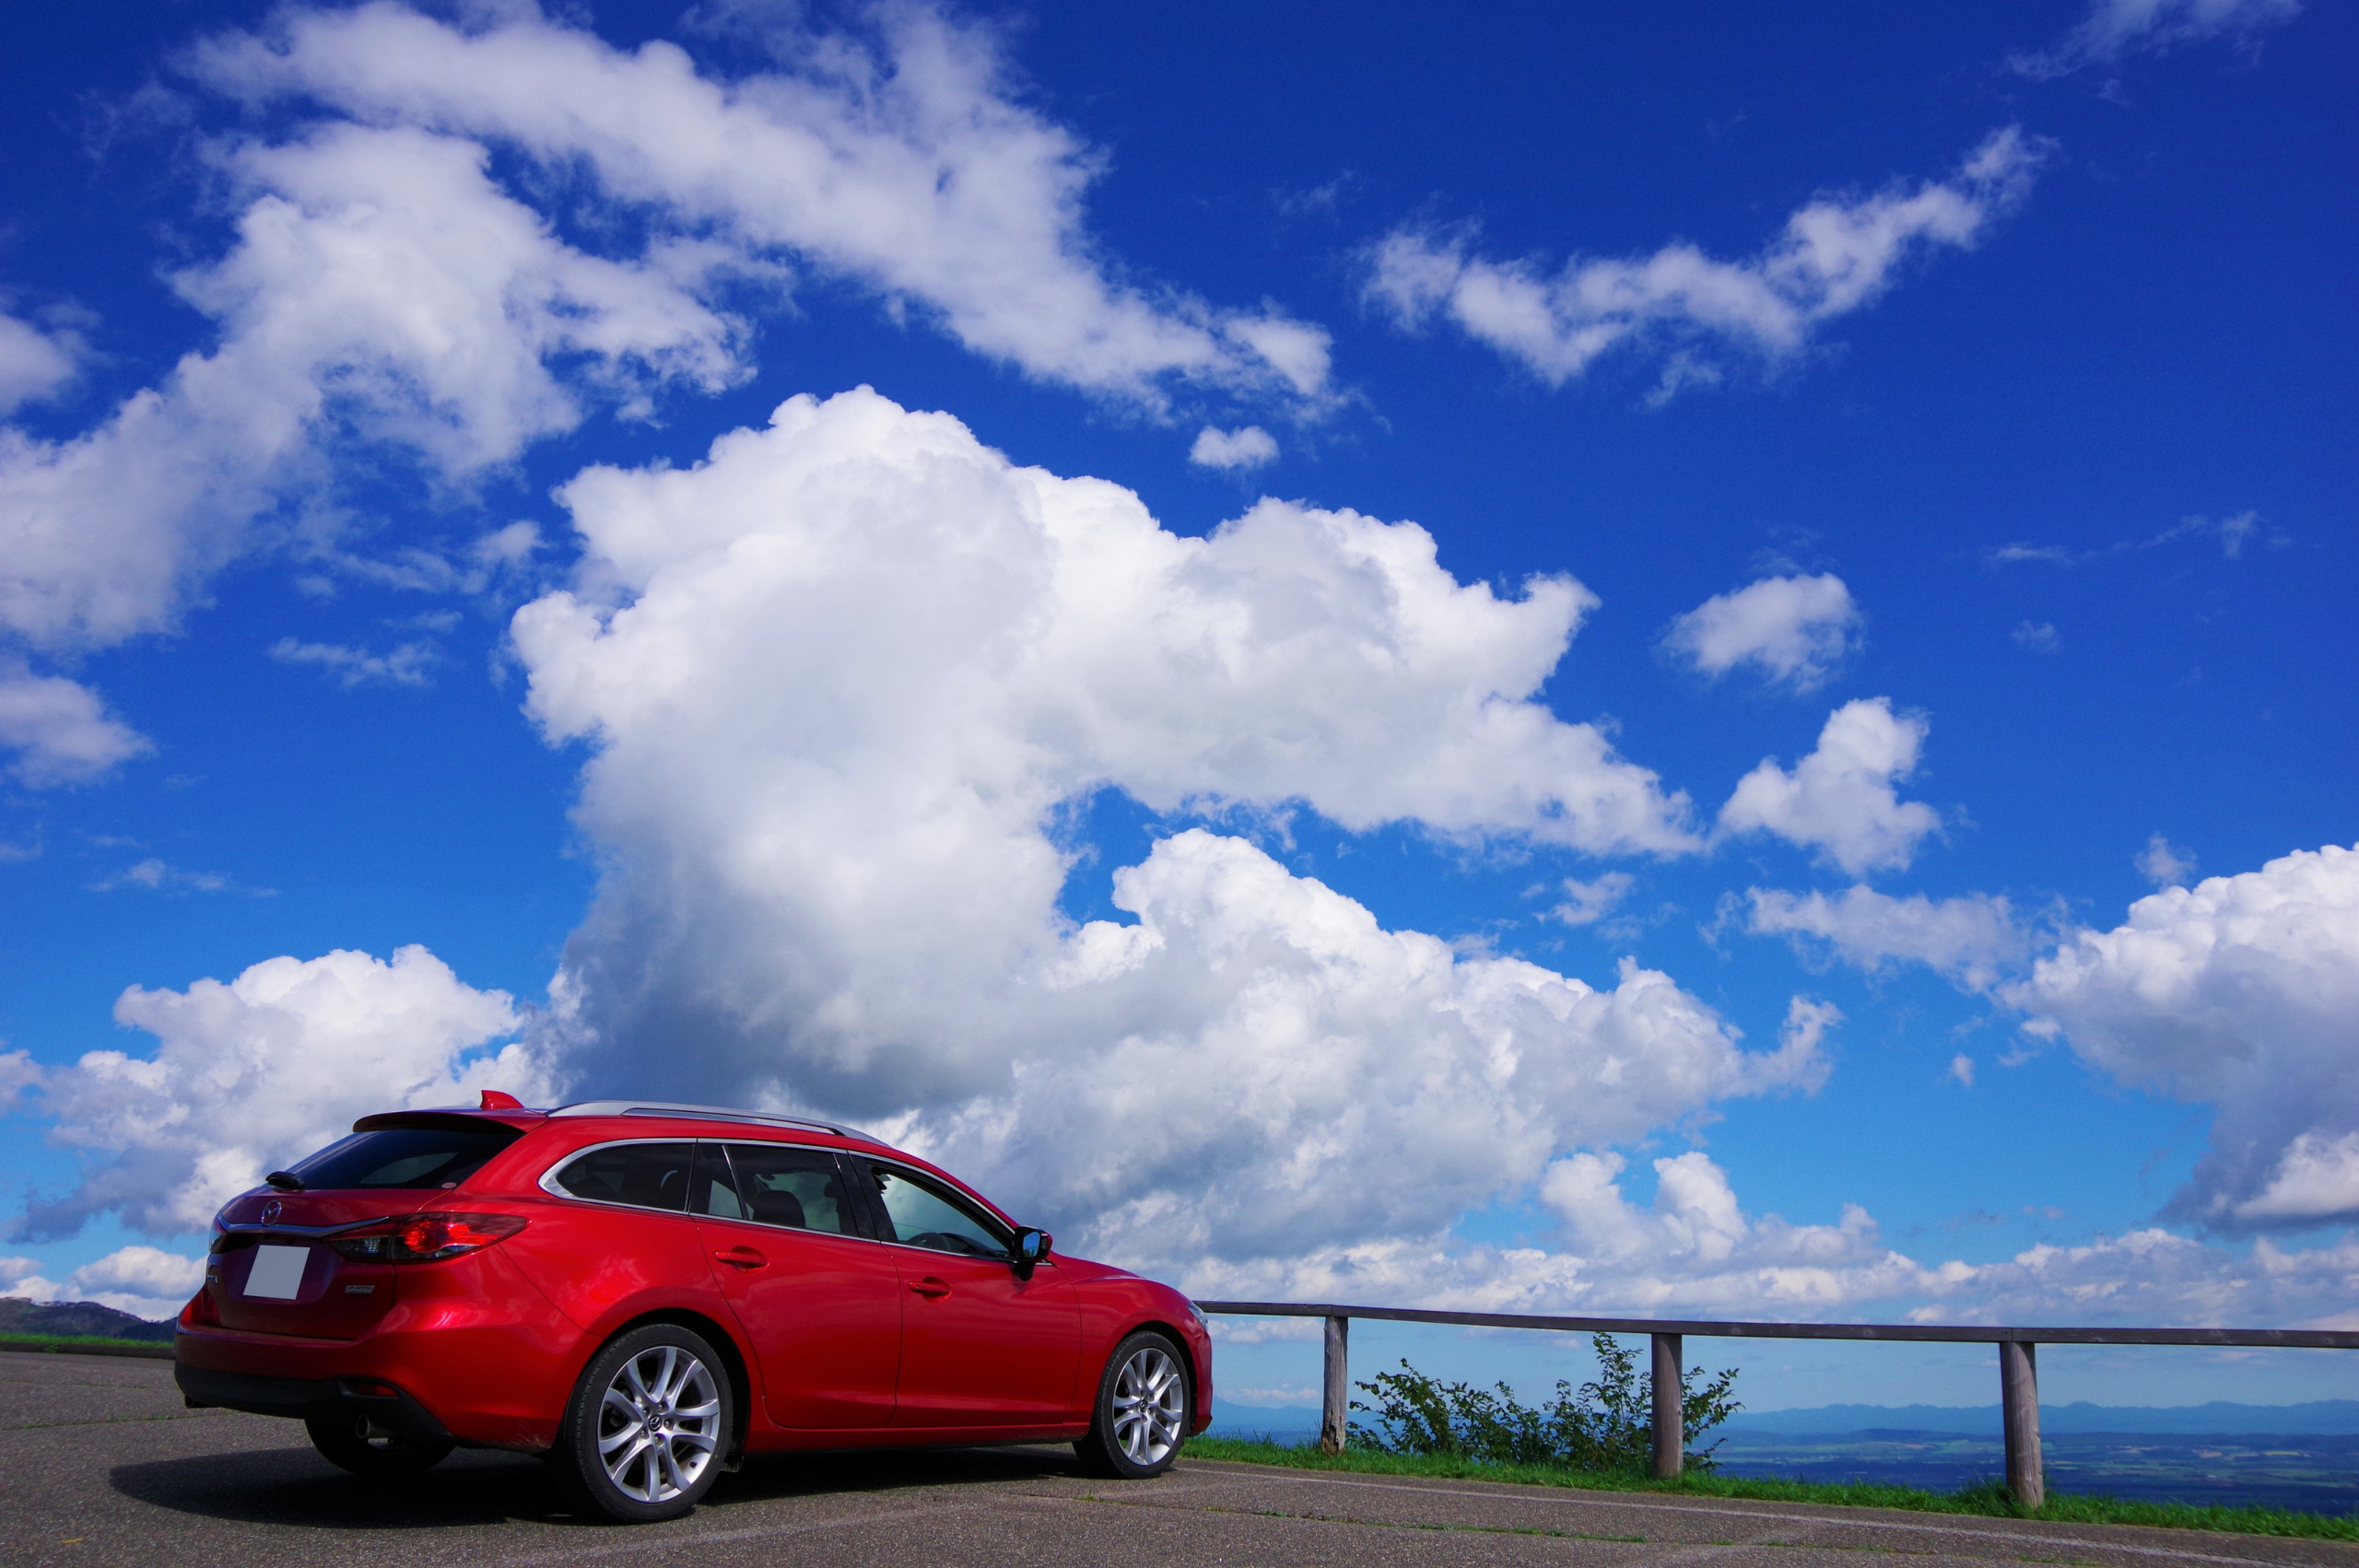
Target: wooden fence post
{"points": [[1671, 1415], [1337, 1417], [2019, 1401]]}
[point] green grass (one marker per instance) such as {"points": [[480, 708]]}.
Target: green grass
{"points": [[158, 1348], [1989, 1499]]}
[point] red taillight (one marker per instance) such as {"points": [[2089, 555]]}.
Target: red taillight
{"points": [[200, 1312], [422, 1238], [427, 1238]]}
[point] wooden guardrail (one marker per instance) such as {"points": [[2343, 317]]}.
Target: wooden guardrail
{"points": [[2018, 1361]]}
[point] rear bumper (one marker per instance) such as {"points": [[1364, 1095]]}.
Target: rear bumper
{"points": [[341, 1400], [469, 1342], [486, 1385]]}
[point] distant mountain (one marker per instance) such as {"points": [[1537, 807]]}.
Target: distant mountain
{"points": [[19, 1316], [2320, 1417]]}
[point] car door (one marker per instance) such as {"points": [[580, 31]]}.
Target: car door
{"points": [[979, 1346], [821, 1300]]}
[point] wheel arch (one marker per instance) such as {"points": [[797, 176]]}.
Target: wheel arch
{"points": [[1179, 1342]]}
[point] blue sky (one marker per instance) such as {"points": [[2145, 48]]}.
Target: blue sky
{"points": [[1681, 662]]}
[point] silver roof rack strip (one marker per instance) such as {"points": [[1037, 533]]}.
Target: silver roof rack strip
{"points": [[705, 1113]]}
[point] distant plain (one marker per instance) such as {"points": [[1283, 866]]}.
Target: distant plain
{"points": [[2203, 1454]]}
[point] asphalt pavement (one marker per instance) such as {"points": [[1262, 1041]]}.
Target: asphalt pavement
{"points": [[100, 1463]]}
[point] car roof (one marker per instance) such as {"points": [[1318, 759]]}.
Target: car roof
{"points": [[671, 1110], [661, 1112], [511, 1114]]}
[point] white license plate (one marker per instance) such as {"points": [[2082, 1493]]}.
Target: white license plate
{"points": [[277, 1272]]}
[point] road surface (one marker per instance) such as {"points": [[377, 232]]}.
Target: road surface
{"points": [[100, 1464]]}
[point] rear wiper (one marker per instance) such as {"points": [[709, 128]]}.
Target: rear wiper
{"points": [[285, 1181]]}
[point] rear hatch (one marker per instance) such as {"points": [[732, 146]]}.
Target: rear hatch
{"points": [[285, 1276], [316, 1261]]}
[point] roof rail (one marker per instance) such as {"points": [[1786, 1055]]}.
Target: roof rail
{"points": [[707, 1113]]}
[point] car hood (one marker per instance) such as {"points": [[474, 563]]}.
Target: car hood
{"points": [[1080, 1269]]}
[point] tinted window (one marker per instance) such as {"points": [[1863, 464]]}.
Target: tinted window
{"points": [[924, 1215], [778, 1184], [406, 1157], [651, 1175]]}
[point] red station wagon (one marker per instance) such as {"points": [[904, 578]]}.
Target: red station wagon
{"points": [[646, 1293]]}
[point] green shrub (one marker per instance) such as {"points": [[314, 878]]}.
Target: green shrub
{"points": [[1607, 1424]]}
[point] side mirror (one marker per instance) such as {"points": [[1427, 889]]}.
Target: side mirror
{"points": [[1031, 1246]]}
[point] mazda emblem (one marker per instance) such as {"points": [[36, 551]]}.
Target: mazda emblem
{"points": [[270, 1212]]}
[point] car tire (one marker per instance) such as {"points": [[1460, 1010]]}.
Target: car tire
{"points": [[348, 1444], [648, 1429], [1140, 1416]]}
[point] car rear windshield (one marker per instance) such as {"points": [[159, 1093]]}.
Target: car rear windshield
{"points": [[407, 1156]]}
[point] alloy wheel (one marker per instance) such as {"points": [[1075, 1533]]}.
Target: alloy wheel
{"points": [[1150, 1405], [659, 1423]]}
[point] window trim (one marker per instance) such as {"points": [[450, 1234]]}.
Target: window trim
{"points": [[548, 1183], [868, 1205]]}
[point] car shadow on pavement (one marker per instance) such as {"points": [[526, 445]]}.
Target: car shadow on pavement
{"points": [[295, 1486], [771, 1476]]}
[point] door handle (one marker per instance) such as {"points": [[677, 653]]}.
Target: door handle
{"points": [[930, 1287], [741, 1256]]}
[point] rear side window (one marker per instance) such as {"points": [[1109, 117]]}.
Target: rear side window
{"points": [[406, 1157], [777, 1185], [645, 1176]]}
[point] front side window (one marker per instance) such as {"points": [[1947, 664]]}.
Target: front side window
{"points": [[781, 1184], [924, 1215], [645, 1176], [404, 1157]]}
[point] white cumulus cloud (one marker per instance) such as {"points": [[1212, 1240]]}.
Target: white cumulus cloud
{"points": [[1975, 940], [1696, 1249], [18, 1072], [1796, 629], [2153, 1276], [1257, 1066], [839, 682], [2165, 863], [2243, 993], [1586, 903], [387, 288], [1834, 255], [32, 363], [905, 162], [145, 1282], [262, 1070], [60, 730], [381, 288], [1839, 800], [1248, 448]]}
